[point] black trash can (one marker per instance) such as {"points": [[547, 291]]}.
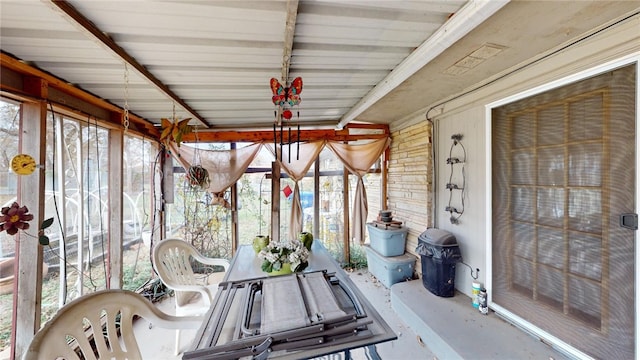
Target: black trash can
{"points": [[439, 253]]}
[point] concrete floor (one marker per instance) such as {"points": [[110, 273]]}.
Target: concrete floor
{"points": [[428, 327], [453, 329]]}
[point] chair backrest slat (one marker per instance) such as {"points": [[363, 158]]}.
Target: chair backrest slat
{"points": [[97, 325]]}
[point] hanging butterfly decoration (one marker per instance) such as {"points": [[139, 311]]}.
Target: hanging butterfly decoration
{"points": [[174, 131], [285, 98]]}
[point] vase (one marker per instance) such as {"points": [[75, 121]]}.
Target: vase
{"points": [[306, 238], [260, 242], [284, 270]]}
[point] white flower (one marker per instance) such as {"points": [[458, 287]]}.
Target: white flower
{"points": [[285, 251]]}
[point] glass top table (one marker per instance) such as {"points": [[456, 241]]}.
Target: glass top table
{"points": [[235, 325]]}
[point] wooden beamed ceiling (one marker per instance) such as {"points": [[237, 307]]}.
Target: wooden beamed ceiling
{"points": [[18, 79]]}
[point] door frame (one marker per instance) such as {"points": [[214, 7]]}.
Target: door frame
{"points": [[560, 345]]}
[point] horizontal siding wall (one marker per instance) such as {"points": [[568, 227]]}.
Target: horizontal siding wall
{"points": [[409, 185]]}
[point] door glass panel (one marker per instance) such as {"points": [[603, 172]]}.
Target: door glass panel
{"points": [[551, 125], [522, 276], [522, 203], [585, 164], [584, 115], [583, 295], [551, 166], [523, 240], [585, 255], [523, 125], [551, 247], [584, 210], [551, 206], [523, 167]]}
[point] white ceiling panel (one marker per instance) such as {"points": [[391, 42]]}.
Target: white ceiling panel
{"points": [[212, 59]]}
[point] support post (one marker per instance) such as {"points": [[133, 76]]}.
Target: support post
{"points": [[235, 237], [345, 216], [316, 199], [275, 201], [116, 233], [27, 295], [384, 194]]}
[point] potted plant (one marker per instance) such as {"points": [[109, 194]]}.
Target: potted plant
{"points": [[306, 238], [260, 242]]}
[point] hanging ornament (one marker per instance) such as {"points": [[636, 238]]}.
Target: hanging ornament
{"points": [[198, 176], [286, 95], [174, 131], [287, 191], [284, 98]]}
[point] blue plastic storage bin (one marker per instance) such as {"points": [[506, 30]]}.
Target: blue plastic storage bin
{"points": [[390, 269], [387, 242]]}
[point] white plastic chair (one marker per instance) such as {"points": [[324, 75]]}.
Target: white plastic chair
{"points": [[107, 313], [172, 261]]}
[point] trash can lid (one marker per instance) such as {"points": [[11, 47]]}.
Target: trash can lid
{"points": [[438, 237]]}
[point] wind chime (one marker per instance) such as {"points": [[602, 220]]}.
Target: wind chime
{"points": [[285, 99]]}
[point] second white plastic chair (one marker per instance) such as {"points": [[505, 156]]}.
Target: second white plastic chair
{"points": [[172, 260]]}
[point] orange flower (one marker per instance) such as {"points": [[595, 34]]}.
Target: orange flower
{"points": [[14, 218]]}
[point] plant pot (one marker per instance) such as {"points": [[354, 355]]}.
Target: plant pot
{"points": [[284, 270], [306, 238], [260, 242], [198, 176]]}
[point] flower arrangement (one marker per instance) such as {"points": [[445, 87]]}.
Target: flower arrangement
{"points": [[276, 253]]}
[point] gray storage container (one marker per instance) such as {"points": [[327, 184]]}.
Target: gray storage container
{"points": [[390, 269], [387, 242]]}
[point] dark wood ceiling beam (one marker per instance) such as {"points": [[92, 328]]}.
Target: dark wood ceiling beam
{"points": [[84, 23], [268, 136]]}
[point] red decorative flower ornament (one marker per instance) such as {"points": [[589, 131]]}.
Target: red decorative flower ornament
{"points": [[14, 218]]}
